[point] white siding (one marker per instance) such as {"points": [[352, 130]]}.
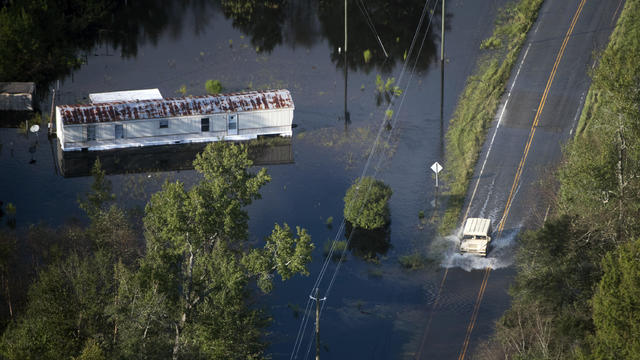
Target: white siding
{"points": [[218, 122], [146, 128], [136, 129], [260, 119], [183, 125], [59, 127], [74, 133], [105, 131]]}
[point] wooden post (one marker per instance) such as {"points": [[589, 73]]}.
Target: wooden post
{"points": [[317, 326], [346, 69], [317, 300], [53, 102], [442, 84], [345, 27], [441, 35]]}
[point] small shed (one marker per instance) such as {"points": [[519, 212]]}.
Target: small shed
{"points": [[17, 96]]}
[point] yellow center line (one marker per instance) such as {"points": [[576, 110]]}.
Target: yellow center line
{"points": [[516, 179], [532, 132], [474, 313]]}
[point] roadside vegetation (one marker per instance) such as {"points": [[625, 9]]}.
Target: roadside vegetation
{"points": [[182, 286], [479, 102], [576, 294]]}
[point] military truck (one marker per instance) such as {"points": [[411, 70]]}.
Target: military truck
{"points": [[476, 236]]}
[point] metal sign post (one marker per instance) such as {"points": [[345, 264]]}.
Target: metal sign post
{"points": [[436, 167]]}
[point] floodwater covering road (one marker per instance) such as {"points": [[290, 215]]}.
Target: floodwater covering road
{"points": [[375, 310], [538, 115]]}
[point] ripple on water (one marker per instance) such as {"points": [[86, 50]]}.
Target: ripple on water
{"points": [[501, 252]]}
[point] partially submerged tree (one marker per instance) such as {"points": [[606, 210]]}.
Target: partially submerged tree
{"points": [[190, 297], [366, 204], [100, 195], [198, 258]]}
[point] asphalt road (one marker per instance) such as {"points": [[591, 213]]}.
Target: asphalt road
{"points": [[537, 116]]}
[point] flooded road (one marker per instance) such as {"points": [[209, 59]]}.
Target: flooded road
{"points": [[375, 308]]}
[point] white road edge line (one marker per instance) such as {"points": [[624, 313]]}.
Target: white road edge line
{"points": [[504, 107], [578, 113]]}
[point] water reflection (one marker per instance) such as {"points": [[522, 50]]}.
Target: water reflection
{"points": [[163, 158], [14, 119], [390, 24], [126, 25], [368, 244]]}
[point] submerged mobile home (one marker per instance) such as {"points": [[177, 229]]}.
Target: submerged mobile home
{"points": [[143, 118]]}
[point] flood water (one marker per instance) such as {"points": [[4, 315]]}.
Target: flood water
{"points": [[374, 309]]}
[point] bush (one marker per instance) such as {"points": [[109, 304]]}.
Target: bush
{"points": [[213, 87], [366, 204], [329, 222], [367, 56], [413, 261]]}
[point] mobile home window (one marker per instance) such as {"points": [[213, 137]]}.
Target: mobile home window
{"points": [[91, 132], [204, 124], [164, 124]]}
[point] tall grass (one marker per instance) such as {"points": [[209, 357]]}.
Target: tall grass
{"points": [[619, 59], [480, 100]]}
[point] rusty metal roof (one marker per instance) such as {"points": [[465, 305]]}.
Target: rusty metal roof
{"points": [[175, 107]]}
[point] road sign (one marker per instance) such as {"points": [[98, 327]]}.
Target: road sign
{"points": [[436, 167]]}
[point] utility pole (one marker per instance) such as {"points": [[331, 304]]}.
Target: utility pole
{"points": [[442, 82], [317, 322], [345, 27], [53, 107], [346, 70], [442, 36]]}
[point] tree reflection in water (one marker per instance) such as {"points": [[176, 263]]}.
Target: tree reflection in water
{"points": [[45, 41], [368, 244]]}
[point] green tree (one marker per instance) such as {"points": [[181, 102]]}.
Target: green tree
{"points": [[7, 264], [100, 195], [616, 305], [283, 253], [366, 204], [198, 258], [189, 297], [65, 310]]}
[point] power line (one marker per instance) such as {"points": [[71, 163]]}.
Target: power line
{"points": [[372, 152], [371, 24]]}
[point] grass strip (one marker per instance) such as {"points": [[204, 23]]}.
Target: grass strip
{"points": [[479, 102], [619, 61]]}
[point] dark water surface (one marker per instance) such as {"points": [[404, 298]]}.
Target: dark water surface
{"points": [[375, 309]]}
